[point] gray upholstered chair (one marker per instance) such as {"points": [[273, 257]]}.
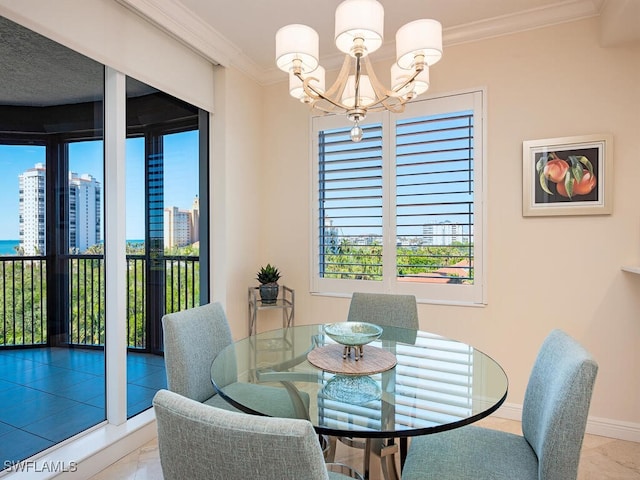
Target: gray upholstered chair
{"points": [[192, 339], [385, 310], [199, 441], [554, 418]]}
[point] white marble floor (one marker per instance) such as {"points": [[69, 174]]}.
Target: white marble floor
{"points": [[602, 458]]}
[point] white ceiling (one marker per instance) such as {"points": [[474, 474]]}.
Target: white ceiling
{"points": [[251, 24], [242, 32]]}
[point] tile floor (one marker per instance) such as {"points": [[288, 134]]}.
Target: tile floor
{"points": [[602, 458], [50, 394]]}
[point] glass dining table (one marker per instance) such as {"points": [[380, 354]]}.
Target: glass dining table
{"points": [[406, 383]]}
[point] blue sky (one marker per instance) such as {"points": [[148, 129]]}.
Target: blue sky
{"points": [[180, 174]]}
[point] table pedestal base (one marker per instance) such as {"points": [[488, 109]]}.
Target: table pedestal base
{"points": [[385, 451]]}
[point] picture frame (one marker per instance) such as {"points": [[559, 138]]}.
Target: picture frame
{"points": [[567, 175]]}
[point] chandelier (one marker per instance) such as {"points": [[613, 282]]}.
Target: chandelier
{"points": [[357, 90]]}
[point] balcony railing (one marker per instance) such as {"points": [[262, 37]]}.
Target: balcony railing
{"points": [[23, 301], [23, 297]]}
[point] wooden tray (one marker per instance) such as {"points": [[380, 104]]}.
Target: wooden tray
{"points": [[329, 358]]}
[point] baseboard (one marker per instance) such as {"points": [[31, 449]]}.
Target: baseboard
{"points": [[604, 427], [89, 453]]}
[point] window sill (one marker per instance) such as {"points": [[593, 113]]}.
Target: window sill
{"points": [[421, 301]]}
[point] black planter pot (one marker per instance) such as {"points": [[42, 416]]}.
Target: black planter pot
{"points": [[269, 293]]}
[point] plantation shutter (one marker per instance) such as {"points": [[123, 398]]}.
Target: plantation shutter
{"points": [[435, 198], [402, 211], [350, 220]]}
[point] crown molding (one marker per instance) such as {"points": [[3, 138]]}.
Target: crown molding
{"points": [[181, 23], [175, 19], [568, 11]]}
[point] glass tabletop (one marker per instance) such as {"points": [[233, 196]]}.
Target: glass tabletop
{"points": [[436, 383]]}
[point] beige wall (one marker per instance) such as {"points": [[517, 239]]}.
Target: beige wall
{"points": [[239, 206], [543, 273]]}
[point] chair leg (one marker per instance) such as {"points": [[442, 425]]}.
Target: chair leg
{"points": [[404, 448], [388, 461]]}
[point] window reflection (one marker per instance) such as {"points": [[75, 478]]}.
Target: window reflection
{"points": [[52, 382], [163, 225]]}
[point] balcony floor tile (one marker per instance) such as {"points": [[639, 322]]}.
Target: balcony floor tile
{"points": [[66, 423], [17, 445], [59, 379], [50, 394], [85, 390], [5, 428], [43, 406]]}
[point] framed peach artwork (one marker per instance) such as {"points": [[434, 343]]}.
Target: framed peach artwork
{"points": [[567, 176]]}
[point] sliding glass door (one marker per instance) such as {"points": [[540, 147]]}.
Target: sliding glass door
{"points": [[52, 361], [165, 227], [52, 239]]}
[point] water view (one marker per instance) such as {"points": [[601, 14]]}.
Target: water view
{"points": [[8, 247]]}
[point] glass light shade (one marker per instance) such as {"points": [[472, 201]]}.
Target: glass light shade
{"points": [[297, 42], [367, 94], [420, 37], [356, 133], [399, 76], [359, 19], [295, 84]]}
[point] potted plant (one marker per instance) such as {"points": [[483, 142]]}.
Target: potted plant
{"points": [[268, 277]]}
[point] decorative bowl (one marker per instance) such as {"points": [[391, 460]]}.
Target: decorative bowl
{"points": [[353, 334], [356, 390]]}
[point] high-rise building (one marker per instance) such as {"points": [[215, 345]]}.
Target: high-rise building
{"points": [[84, 211], [85, 199], [181, 226], [195, 220], [32, 210], [444, 233]]}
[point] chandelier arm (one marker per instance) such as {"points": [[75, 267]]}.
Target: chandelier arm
{"points": [[309, 89], [380, 91], [383, 95], [386, 99], [341, 81], [317, 95], [397, 108], [417, 69], [314, 106], [329, 95], [393, 107]]}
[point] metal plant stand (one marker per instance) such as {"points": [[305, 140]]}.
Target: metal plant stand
{"points": [[285, 302]]}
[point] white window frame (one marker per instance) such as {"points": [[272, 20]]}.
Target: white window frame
{"points": [[475, 294]]}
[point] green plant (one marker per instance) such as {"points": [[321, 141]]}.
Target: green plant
{"points": [[268, 274]]}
